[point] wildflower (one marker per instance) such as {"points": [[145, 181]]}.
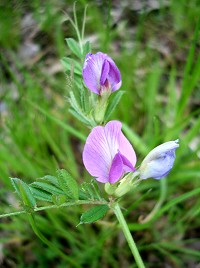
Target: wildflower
{"points": [[107, 154], [101, 74], [158, 163]]}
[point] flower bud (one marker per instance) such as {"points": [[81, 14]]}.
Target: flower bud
{"points": [[158, 163], [100, 73]]}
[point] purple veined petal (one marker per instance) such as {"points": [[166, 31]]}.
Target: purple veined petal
{"points": [[114, 76], [92, 71], [100, 148], [87, 57], [100, 69], [127, 165], [127, 150], [107, 154], [96, 155], [112, 133], [116, 170], [102, 180], [116, 86], [104, 72]]}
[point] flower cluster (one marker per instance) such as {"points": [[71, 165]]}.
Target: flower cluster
{"points": [[107, 154]]}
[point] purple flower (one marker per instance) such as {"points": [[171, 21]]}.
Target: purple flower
{"points": [[107, 154], [158, 163], [100, 73]]}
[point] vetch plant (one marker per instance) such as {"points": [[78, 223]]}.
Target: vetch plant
{"points": [[108, 156]]}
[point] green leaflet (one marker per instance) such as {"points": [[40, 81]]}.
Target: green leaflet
{"points": [[79, 116], [41, 195], [49, 179], [47, 187], [68, 184], [86, 48], [113, 104], [74, 47], [70, 64], [94, 214], [91, 190], [24, 192]]}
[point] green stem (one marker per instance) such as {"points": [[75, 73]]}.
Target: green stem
{"points": [[163, 194], [73, 203], [128, 236], [77, 28], [49, 243]]}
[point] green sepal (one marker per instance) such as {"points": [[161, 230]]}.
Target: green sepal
{"points": [[68, 184], [94, 214]]}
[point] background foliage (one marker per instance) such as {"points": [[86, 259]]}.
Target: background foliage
{"points": [[156, 47]]}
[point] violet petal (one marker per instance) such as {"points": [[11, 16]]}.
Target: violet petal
{"points": [[92, 71], [99, 68], [116, 170], [112, 133], [104, 72], [107, 154], [114, 77], [127, 165], [127, 150], [100, 148], [158, 163]]}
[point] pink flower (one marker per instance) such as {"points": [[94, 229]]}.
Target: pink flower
{"points": [[100, 73], [107, 154]]}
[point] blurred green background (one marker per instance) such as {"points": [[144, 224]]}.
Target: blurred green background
{"points": [[156, 46]]}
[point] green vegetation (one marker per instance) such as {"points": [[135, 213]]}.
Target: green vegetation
{"points": [[157, 52]]}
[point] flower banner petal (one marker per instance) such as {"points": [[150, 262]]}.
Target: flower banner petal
{"points": [[92, 71], [112, 133], [127, 150], [96, 154]]}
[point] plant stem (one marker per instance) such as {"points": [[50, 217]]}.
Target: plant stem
{"points": [[72, 203], [128, 236], [163, 194]]}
